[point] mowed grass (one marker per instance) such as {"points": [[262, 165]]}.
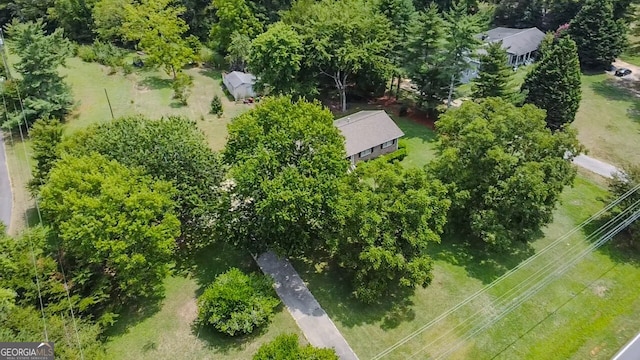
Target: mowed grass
{"points": [[590, 311], [608, 120], [146, 92], [171, 332]]}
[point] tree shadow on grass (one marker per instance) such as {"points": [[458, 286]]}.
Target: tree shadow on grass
{"points": [[332, 289], [480, 262], [621, 90], [133, 314], [155, 82], [211, 73]]}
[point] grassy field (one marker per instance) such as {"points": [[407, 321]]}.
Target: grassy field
{"points": [[608, 120], [588, 312], [170, 332], [145, 92]]}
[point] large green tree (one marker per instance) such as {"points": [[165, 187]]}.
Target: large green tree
{"points": [[494, 75], [109, 17], [461, 40], [158, 28], [239, 52], [170, 149], [115, 229], [599, 37], [232, 17], [554, 82], [425, 58], [287, 347], [287, 159], [505, 170], [344, 38], [389, 217], [277, 59], [75, 17], [42, 89], [619, 186], [46, 135]]}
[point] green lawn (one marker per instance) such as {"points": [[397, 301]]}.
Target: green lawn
{"points": [[608, 120], [594, 305], [170, 332], [145, 92]]}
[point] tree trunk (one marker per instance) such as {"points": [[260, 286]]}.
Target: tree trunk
{"points": [[398, 87], [453, 79], [391, 87]]}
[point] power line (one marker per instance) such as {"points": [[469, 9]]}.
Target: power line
{"points": [[66, 286], [505, 275], [33, 257], [551, 277]]}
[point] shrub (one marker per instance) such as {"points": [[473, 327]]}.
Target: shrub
{"points": [[404, 109], [216, 106], [181, 85], [237, 303], [286, 347], [86, 53], [206, 57], [397, 155]]}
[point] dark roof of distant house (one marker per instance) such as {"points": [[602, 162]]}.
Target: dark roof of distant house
{"points": [[237, 78], [366, 129], [515, 41]]}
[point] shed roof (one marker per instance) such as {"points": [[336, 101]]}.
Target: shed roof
{"points": [[366, 129], [237, 78], [515, 41]]}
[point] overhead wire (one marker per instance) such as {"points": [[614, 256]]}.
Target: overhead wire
{"points": [[28, 163], [506, 275]]}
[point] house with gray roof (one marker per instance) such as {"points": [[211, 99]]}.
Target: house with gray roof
{"points": [[368, 134], [521, 46], [239, 84]]}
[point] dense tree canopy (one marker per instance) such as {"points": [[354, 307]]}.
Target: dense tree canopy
{"points": [[42, 89], [600, 38], [505, 169], [554, 82], [343, 38], [115, 229], [75, 17], [389, 217], [170, 149], [46, 135], [286, 159], [109, 17], [494, 75], [287, 347], [276, 59], [619, 186], [233, 17], [425, 58], [160, 31]]}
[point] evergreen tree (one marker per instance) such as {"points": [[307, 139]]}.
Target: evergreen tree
{"points": [[494, 75], [554, 82], [42, 89], [600, 39]]}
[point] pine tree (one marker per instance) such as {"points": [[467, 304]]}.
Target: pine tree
{"points": [[554, 82], [494, 75], [600, 38]]}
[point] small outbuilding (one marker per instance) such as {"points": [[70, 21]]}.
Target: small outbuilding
{"points": [[368, 134], [239, 84]]}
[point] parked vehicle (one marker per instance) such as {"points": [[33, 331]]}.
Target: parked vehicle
{"points": [[623, 72]]}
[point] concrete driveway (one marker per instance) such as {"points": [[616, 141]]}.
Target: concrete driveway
{"points": [[635, 70]]}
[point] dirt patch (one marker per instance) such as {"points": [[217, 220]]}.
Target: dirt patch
{"points": [[188, 311], [600, 289]]}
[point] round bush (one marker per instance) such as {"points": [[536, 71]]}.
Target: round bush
{"points": [[237, 303], [286, 347]]}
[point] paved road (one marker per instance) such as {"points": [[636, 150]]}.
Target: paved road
{"points": [[594, 165], [631, 351], [6, 197], [316, 325]]}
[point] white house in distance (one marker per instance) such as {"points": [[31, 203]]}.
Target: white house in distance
{"points": [[368, 134], [521, 46], [239, 84]]}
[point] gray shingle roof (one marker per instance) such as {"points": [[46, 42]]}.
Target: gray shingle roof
{"points": [[516, 41], [366, 129], [237, 78]]}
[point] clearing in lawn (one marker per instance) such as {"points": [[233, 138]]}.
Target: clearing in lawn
{"points": [[591, 310], [608, 120]]}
